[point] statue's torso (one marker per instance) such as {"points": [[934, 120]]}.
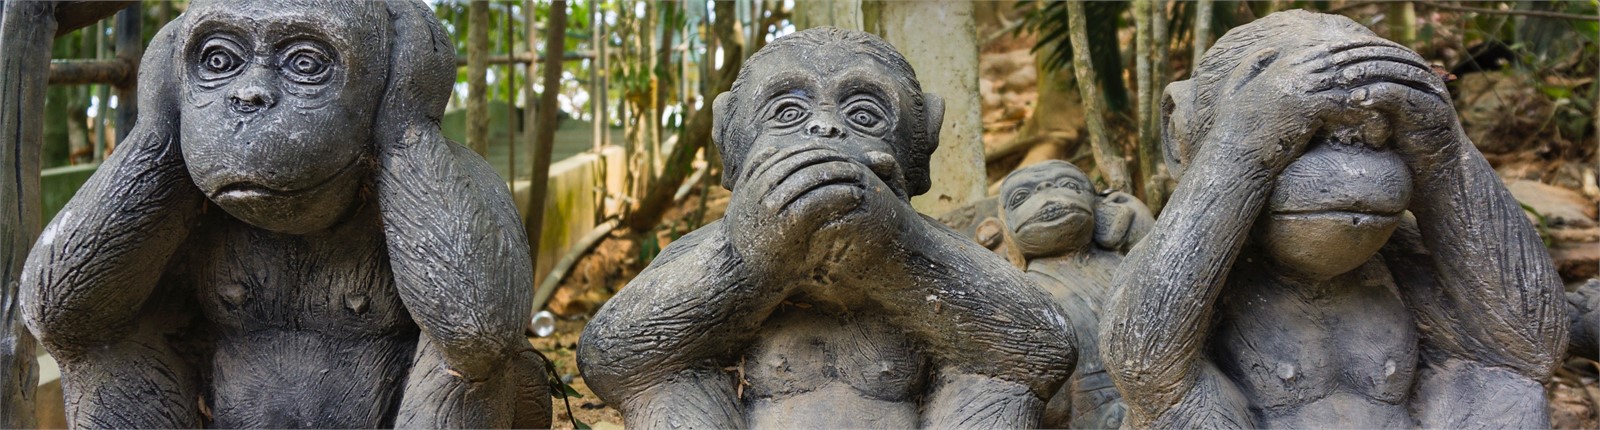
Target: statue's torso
{"points": [[314, 320], [1348, 356], [1082, 284], [832, 368]]}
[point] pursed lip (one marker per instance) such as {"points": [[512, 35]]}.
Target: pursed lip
{"points": [[255, 190], [1357, 217], [1053, 211]]}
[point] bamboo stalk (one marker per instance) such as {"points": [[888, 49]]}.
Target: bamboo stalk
{"points": [[477, 77], [1202, 30], [555, 41], [1150, 159]]}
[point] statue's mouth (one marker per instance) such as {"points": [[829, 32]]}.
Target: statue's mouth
{"points": [[1054, 211], [1357, 218], [248, 191]]}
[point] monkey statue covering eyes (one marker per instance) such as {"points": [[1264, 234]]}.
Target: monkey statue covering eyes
{"points": [[1336, 251], [1071, 239], [286, 240], [822, 299]]}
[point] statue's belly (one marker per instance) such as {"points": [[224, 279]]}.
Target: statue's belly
{"points": [[306, 331], [304, 379], [813, 369]]}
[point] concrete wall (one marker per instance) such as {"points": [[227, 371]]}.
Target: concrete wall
{"points": [[574, 203]]}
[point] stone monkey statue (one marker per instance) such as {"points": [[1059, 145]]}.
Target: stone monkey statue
{"points": [[1583, 310], [286, 240], [1336, 251], [822, 299], [1070, 236]]}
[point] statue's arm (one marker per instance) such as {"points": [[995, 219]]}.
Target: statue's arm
{"points": [[1153, 332], [1583, 316], [1489, 339], [660, 348], [1481, 283], [457, 249], [96, 263]]}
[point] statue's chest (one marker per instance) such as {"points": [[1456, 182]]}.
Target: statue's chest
{"points": [[337, 283], [800, 350], [1288, 351]]}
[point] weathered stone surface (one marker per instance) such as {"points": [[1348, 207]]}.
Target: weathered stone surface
{"points": [[823, 299], [1336, 251], [286, 240], [1072, 238]]}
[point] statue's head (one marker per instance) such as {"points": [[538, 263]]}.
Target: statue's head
{"points": [[279, 103], [1334, 206], [1048, 208], [848, 91]]}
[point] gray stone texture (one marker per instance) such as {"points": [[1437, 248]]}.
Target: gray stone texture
{"points": [[285, 239], [823, 299], [1336, 252]]}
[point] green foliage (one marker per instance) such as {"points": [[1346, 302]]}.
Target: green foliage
{"points": [[1049, 21]]}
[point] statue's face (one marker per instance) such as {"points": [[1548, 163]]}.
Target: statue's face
{"points": [[1334, 206], [278, 107], [1049, 208], [843, 103]]}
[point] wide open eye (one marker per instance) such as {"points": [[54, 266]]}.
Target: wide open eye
{"points": [[788, 113], [1071, 185], [865, 115], [865, 118], [1017, 197], [220, 58], [306, 63]]}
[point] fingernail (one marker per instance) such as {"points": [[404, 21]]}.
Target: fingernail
{"points": [[1359, 95]]}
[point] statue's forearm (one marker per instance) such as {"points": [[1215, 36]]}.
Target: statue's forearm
{"points": [[100, 258], [1488, 261], [1152, 333], [454, 253]]}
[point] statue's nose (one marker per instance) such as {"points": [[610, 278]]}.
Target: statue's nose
{"points": [[824, 129], [251, 99]]}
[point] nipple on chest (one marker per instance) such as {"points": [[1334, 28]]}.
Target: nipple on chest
{"points": [[356, 303], [1286, 372], [233, 294]]}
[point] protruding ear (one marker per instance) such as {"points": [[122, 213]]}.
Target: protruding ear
{"points": [[721, 116], [1120, 221], [1176, 131], [422, 70], [933, 113], [917, 179], [160, 74]]}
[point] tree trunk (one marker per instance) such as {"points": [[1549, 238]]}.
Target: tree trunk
{"points": [[1202, 30], [1107, 156], [1144, 81], [477, 82], [130, 47], [554, 43], [696, 130], [949, 68], [27, 29], [1151, 162]]}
